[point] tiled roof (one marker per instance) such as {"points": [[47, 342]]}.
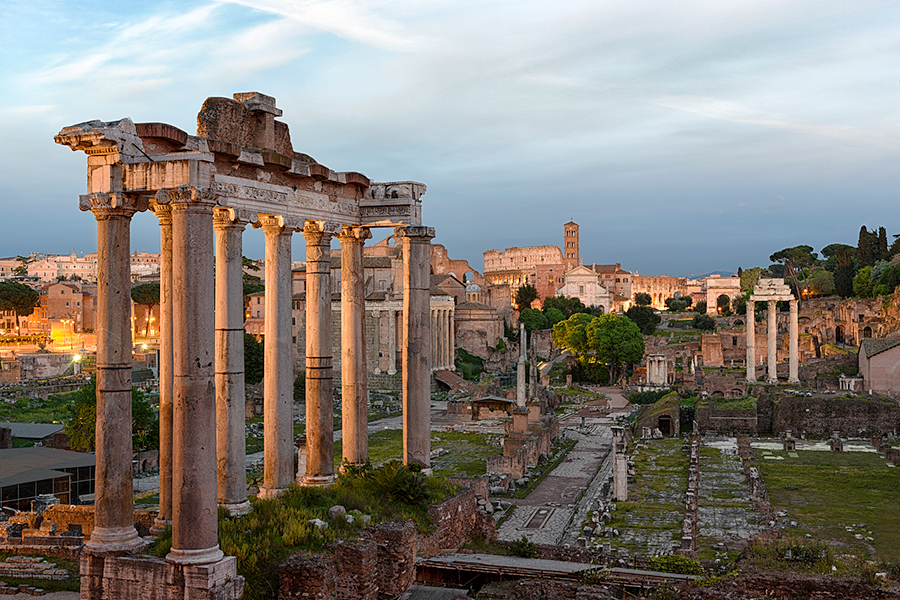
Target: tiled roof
{"points": [[875, 346]]}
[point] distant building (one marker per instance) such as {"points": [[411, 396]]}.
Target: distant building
{"points": [[26, 473], [879, 365]]}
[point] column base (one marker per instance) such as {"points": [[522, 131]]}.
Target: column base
{"points": [[113, 541], [768, 380], [316, 481], [428, 472], [195, 557], [794, 381], [236, 508], [159, 526], [269, 493], [751, 380]]}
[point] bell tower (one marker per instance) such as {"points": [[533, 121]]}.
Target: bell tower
{"points": [[570, 245]]}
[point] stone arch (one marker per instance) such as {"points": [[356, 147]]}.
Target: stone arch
{"points": [[468, 277], [738, 322], [718, 394], [867, 332], [839, 334]]}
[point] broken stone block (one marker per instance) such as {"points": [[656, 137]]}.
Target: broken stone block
{"points": [[337, 511]]}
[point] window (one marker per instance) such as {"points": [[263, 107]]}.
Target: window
{"points": [[580, 289]]}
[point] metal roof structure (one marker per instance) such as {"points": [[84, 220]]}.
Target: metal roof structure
{"points": [[32, 431], [20, 465]]}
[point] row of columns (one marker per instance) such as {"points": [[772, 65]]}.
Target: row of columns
{"points": [[772, 340], [442, 343], [202, 451]]}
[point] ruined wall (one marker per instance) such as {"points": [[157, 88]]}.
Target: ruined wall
{"points": [[819, 417], [457, 520], [66, 515], [659, 288], [726, 421]]}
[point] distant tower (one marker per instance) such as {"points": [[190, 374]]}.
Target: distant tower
{"points": [[570, 247]]}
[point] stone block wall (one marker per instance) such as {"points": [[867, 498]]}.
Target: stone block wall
{"points": [[726, 421], [357, 561], [820, 417], [305, 577], [456, 520], [66, 515], [396, 557], [149, 577]]}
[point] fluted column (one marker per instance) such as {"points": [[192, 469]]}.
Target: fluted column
{"points": [[319, 383], [229, 225], [771, 338], [164, 517], [520, 367], [751, 339], [278, 436], [114, 530], [452, 340], [392, 341], [793, 364], [376, 322], [416, 344], [354, 387], [194, 511]]}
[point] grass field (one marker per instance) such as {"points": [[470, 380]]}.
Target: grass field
{"points": [[829, 492]]}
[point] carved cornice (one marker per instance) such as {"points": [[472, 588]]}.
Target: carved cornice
{"points": [[186, 194], [114, 203], [419, 232]]}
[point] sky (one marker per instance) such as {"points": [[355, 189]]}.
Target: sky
{"points": [[683, 137]]}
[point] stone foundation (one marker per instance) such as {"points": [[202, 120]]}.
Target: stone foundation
{"points": [[146, 578], [68, 517]]}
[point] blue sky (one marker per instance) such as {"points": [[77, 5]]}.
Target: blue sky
{"points": [[683, 137]]}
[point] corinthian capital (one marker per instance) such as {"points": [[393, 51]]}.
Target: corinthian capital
{"points": [[109, 203]]}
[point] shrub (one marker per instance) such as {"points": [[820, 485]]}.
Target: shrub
{"points": [[676, 564], [523, 547]]}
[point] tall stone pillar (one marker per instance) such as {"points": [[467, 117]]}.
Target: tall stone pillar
{"points": [[520, 367], [229, 367], [194, 511], [416, 341], [392, 342], [164, 517], [751, 340], [452, 341], [319, 383], [354, 387], [114, 530], [793, 368], [376, 335], [772, 339], [278, 436]]}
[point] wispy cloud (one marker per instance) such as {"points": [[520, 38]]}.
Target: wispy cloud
{"points": [[348, 19], [734, 112]]}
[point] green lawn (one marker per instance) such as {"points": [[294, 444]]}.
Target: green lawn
{"points": [[835, 490]]}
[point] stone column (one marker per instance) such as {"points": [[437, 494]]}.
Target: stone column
{"points": [[194, 511], [392, 341], [376, 323], [771, 338], [751, 340], [354, 387], [114, 530], [319, 383], [164, 518], [229, 367], [278, 385], [520, 367], [793, 375], [452, 341], [416, 341]]}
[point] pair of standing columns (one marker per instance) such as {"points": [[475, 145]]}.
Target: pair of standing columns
{"points": [[771, 338], [192, 500]]}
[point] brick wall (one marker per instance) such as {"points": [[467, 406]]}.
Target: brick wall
{"points": [[819, 417], [65, 515]]}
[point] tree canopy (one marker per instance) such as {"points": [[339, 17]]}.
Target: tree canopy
{"points": [[533, 319], [616, 341], [794, 259], [678, 304], [566, 305], [19, 298], [643, 299], [82, 425], [644, 317], [525, 295], [146, 294]]}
